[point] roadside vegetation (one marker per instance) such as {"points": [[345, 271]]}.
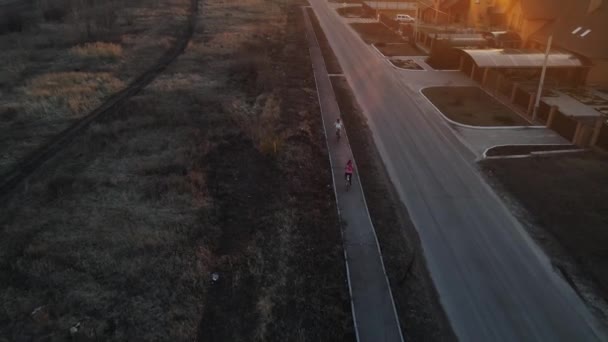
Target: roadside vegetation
{"points": [[472, 106], [331, 61], [201, 210], [562, 201]]}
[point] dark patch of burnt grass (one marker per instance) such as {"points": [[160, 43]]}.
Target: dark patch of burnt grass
{"points": [[418, 307], [374, 33], [565, 197], [331, 61]]}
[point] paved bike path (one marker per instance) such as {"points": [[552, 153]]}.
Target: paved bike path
{"points": [[371, 298]]}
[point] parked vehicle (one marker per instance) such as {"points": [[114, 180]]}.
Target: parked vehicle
{"points": [[405, 18]]}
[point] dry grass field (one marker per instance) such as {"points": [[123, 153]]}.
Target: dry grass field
{"points": [[68, 56], [218, 167]]}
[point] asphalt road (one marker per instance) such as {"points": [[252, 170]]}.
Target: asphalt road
{"points": [[494, 282]]}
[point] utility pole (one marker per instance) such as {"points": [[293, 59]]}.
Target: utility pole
{"points": [[542, 79]]}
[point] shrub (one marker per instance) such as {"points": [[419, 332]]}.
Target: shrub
{"points": [[260, 122], [98, 50]]}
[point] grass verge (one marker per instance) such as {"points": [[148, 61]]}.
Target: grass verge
{"points": [[331, 61], [472, 106], [564, 201]]}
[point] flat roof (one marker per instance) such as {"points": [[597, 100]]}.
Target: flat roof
{"points": [[522, 58]]}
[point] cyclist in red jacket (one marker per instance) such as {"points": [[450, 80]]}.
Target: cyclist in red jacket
{"points": [[348, 174]]}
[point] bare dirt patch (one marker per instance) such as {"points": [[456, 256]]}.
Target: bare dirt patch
{"points": [[374, 33], [564, 200], [418, 307], [472, 106]]}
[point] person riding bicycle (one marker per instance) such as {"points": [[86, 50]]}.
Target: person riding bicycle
{"points": [[338, 127], [348, 172]]}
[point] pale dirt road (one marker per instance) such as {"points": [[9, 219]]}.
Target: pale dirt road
{"points": [[494, 282]]}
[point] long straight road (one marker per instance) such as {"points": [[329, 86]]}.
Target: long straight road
{"points": [[494, 282]]}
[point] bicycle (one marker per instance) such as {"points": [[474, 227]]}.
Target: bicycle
{"points": [[349, 181], [338, 134]]}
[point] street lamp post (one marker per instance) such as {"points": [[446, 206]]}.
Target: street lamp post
{"points": [[541, 82], [542, 79], [437, 11]]}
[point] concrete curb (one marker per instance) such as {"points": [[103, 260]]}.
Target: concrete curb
{"points": [[532, 153]]}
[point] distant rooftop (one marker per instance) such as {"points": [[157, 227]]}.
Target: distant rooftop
{"points": [[577, 18], [522, 58]]}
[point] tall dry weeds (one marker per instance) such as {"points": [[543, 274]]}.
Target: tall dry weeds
{"points": [[78, 92], [99, 50], [260, 121]]}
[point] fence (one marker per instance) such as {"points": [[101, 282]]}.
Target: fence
{"points": [[602, 139], [492, 79], [564, 125], [543, 111], [478, 75], [522, 98], [505, 87]]}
